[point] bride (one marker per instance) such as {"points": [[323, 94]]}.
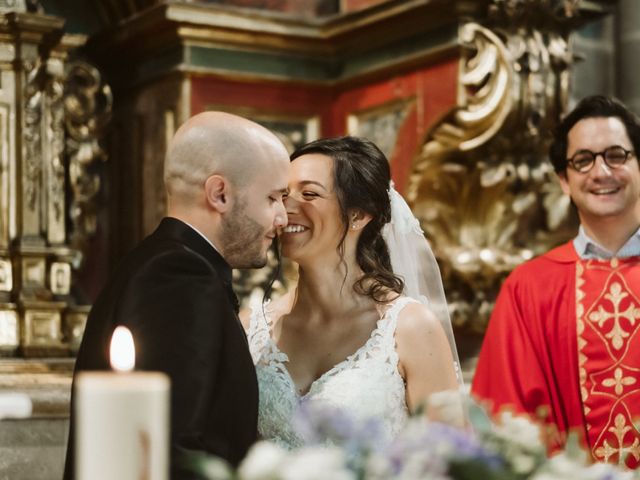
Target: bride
{"points": [[347, 335]]}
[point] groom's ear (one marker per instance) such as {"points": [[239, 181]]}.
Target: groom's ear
{"points": [[358, 219], [216, 192]]}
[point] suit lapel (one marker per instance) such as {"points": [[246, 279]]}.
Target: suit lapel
{"points": [[178, 230]]}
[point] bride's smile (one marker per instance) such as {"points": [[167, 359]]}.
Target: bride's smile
{"points": [[315, 228]]}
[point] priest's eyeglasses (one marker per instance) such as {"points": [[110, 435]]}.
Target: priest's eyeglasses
{"points": [[614, 156]]}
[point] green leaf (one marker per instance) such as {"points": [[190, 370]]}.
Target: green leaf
{"points": [[204, 465], [478, 417]]}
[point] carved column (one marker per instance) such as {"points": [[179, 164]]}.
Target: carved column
{"points": [[38, 315]]}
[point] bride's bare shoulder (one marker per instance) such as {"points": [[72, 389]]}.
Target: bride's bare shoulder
{"points": [[415, 314]]}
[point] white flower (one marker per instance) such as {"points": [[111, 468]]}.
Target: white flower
{"points": [[562, 466], [519, 430], [316, 463], [377, 467], [517, 439], [447, 407], [607, 471], [418, 467], [214, 468], [522, 463], [262, 462]]}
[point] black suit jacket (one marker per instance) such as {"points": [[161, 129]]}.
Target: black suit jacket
{"points": [[173, 291]]}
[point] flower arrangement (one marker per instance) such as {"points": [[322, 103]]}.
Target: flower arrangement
{"points": [[338, 447]]}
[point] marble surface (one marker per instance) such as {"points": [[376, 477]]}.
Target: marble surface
{"points": [[34, 448]]}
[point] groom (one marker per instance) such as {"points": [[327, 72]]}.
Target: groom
{"points": [[225, 177]]}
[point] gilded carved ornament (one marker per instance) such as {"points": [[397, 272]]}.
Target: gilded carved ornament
{"points": [[66, 110], [35, 80], [63, 111], [482, 186], [54, 128], [87, 107]]}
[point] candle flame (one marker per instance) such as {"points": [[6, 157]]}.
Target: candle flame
{"points": [[123, 352]]}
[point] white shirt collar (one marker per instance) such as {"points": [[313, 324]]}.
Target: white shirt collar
{"points": [[588, 248], [203, 236]]}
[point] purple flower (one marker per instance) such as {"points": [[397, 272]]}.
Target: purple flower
{"points": [[319, 423], [442, 443], [422, 449]]}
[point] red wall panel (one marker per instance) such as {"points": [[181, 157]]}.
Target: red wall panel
{"points": [[430, 91]]}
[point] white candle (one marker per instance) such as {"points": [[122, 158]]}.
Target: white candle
{"points": [[122, 419]]}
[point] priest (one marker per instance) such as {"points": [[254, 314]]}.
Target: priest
{"points": [[563, 342]]}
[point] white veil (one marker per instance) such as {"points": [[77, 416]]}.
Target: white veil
{"points": [[413, 260]]}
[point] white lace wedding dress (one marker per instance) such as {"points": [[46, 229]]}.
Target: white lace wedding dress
{"points": [[366, 384]]}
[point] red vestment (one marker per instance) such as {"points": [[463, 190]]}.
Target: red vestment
{"points": [[563, 346]]}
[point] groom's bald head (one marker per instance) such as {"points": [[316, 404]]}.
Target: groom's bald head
{"points": [[217, 143]]}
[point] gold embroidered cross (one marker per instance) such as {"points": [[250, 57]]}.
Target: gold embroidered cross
{"points": [[619, 430], [617, 333], [618, 380]]}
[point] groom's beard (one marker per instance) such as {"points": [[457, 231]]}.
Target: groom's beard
{"points": [[243, 240]]}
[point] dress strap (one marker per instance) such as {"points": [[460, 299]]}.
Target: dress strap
{"points": [[390, 317], [259, 334], [254, 308], [260, 318]]}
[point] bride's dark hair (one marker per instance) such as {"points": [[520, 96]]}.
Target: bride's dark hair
{"points": [[361, 176]]}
